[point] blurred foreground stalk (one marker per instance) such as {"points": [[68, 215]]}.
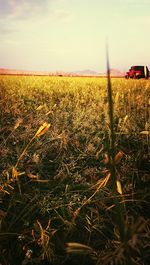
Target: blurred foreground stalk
{"points": [[118, 211]]}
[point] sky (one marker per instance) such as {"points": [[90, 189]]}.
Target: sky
{"points": [[71, 35]]}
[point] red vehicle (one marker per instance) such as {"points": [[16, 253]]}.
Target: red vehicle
{"points": [[137, 72]]}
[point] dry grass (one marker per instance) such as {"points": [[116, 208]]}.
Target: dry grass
{"points": [[56, 170]]}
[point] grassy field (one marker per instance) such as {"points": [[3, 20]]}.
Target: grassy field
{"points": [[66, 196]]}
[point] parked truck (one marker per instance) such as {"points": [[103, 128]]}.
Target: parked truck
{"points": [[138, 72]]}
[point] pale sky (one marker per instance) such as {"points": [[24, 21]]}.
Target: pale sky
{"points": [[70, 35]]}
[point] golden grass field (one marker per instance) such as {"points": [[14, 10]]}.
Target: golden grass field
{"points": [[57, 199]]}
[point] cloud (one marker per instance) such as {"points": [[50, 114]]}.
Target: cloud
{"points": [[23, 9], [22, 13], [30, 9]]}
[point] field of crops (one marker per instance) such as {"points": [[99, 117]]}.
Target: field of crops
{"points": [[72, 191]]}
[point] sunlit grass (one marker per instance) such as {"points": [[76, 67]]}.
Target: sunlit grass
{"points": [[56, 170]]}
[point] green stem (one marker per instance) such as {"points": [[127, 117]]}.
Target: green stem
{"points": [[118, 212], [112, 133]]}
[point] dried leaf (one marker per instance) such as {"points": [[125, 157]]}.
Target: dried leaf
{"points": [[145, 132], [106, 159], [14, 173], [40, 107], [102, 182], [43, 129], [118, 157], [18, 122], [31, 176], [73, 247], [119, 188], [125, 119]]}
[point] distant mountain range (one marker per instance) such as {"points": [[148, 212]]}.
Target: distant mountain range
{"points": [[87, 72], [4, 71], [113, 72]]}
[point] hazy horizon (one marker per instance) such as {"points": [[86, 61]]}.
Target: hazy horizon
{"points": [[70, 35]]}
